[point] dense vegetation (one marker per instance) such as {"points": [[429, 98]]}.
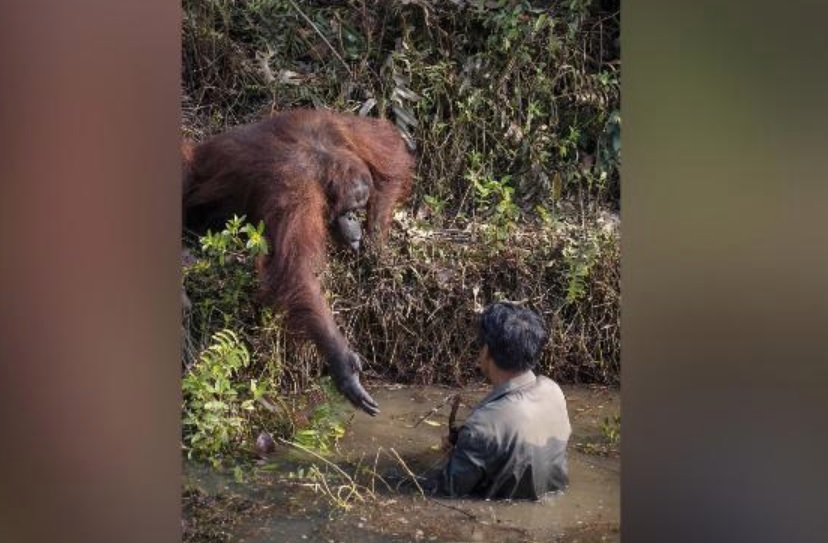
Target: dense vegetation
{"points": [[512, 108]]}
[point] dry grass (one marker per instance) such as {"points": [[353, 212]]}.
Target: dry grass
{"points": [[413, 312]]}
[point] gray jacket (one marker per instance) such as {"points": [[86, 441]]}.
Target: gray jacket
{"points": [[513, 445]]}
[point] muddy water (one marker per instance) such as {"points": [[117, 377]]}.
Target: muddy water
{"points": [[412, 422]]}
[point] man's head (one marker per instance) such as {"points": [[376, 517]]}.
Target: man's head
{"points": [[512, 338]]}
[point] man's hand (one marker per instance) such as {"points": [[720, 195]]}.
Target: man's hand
{"points": [[345, 368], [450, 440]]}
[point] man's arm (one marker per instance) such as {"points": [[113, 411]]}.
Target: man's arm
{"points": [[466, 467]]}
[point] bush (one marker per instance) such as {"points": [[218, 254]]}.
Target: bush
{"points": [[232, 381], [215, 402]]}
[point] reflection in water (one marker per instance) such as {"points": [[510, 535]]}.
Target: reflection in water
{"points": [[588, 511]]}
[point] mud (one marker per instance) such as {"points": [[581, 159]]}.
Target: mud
{"points": [[270, 505]]}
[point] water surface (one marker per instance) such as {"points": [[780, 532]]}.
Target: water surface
{"points": [[412, 422]]}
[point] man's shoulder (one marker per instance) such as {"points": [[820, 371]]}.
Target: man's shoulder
{"points": [[483, 422], [542, 387], [543, 381]]}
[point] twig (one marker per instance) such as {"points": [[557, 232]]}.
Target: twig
{"points": [[331, 47], [470, 515], [454, 405], [433, 410], [410, 473]]}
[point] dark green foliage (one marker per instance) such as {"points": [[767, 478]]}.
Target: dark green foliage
{"points": [[223, 276], [215, 400]]}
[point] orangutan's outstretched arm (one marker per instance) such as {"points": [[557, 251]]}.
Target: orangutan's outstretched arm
{"points": [[309, 312], [297, 240]]}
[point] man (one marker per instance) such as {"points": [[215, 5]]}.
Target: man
{"points": [[513, 444]]}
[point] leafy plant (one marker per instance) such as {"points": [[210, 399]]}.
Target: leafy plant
{"points": [[326, 423], [222, 280], [435, 203], [216, 406], [493, 196], [579, 255], [611, 429], [229, 244], [607, 442]]}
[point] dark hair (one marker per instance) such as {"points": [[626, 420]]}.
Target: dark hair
{"points": [[514, 335]]}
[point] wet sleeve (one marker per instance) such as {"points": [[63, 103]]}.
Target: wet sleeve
{"points": [[466, 468]]}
